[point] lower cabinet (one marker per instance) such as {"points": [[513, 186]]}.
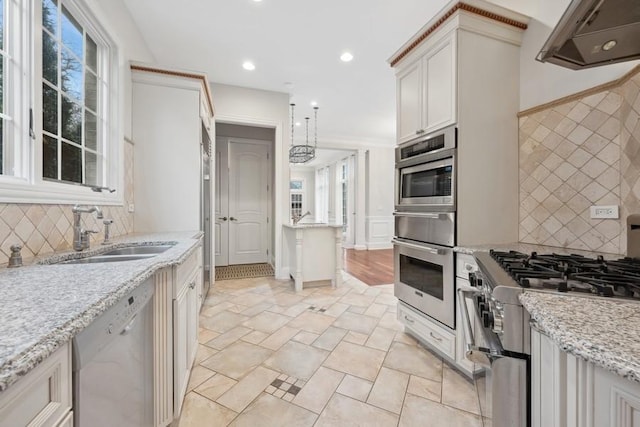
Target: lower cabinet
{"points": [[43, 397], [435, 336], [567, 391]]}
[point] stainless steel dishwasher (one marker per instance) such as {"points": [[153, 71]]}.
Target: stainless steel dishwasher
{"points": [[113, 365]]}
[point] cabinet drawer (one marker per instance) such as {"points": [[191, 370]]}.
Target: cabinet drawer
{"points": [[435, 336], [42, 397], [185, 270], [465, 264]]}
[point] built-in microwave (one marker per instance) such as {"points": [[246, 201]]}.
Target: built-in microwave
{"points": [[425, 173]]}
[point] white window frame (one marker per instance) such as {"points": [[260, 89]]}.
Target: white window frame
{"points": [[27, 184], [303, 194]]}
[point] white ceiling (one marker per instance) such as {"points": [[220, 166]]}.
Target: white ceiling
{"points": [[295, 41]]}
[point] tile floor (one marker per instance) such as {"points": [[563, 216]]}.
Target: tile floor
{"points": [[322, 357]]}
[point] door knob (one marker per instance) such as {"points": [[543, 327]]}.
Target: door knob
{"points": [[233, 219], [224, 218]]}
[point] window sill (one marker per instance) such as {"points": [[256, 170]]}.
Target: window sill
{"points": [[18, 191]]}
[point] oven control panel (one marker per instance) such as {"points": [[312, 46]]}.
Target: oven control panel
{"points": [[490, 310]]}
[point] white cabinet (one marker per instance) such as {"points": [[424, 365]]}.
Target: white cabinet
{"points": [[43, 397], [567, 391], [185, 324], [426, 91], [437, 337]]}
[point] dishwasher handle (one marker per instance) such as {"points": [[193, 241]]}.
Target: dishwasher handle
{"points": [[125, 331]]}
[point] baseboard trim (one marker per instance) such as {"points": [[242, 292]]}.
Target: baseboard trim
{"points": [[376, 246], [360, 247], [283, 274]]}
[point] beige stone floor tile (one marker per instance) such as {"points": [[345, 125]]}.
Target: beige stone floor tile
{"points": [[198, 411], [251, 386], [305, 337], [416, 411], [356, 322], [312, 322], [255, 337], [237, 308], [199, 374], [376, 310], [388, 390], [212, 310], [297, 360], [237, 359], [356, 309], [372, 291], [205, 334], [223, 321], [229, 337], [215, 386], [248, 299], [413, 360], [285, 299], [386, 299], [269, 411], [294, 310], [256, 309], [390, 321], [356, 360], [336, 309], [279, 338], [355, 387], [318, 390], [203, 353], [267, 322], [458, 392], [330, 338], [405, 338], [356, 338], [344, 411], [319, 300], [381, 339], [357, 299], [425, 388]]}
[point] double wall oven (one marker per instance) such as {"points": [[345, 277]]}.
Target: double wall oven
{"points": [[425, 221]]}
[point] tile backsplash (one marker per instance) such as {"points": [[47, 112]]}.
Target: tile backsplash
{"points": [[42, 229], [576, 154]]}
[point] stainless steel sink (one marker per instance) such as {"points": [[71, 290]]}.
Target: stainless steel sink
{"points": [[138, 250], [108, 258]]}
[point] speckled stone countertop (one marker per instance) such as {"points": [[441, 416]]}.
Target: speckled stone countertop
{"points": [[528, 247], [44, 305], [598, 330], [312, 225]]}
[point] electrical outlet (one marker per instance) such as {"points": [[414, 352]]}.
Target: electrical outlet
{"points": [[132, 208], [605, 212]]}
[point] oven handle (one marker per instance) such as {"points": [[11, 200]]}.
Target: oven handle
{"points": [[480, 355], [429, 249], [422, 215]]}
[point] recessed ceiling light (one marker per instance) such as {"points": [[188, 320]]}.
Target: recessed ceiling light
{"points": [[298, 123], [257, 1], [314, 103], [248, 65], [609, 45], [346, 57]]}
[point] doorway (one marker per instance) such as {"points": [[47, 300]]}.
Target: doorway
{"points": [[243, 208]]}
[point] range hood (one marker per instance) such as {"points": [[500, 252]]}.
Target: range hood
{"points": [[593, 33]]}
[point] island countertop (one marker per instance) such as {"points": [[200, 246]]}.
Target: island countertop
{"points": [[301, 225], [45, 304], [603, 331]]}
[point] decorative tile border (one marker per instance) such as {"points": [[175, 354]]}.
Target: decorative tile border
{"points": [[285, 387]]}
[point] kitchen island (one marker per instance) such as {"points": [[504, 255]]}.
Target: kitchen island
{"points": [[314, 254]]}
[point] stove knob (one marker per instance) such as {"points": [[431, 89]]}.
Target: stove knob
{"points": [[472, 279], [487, 319]]}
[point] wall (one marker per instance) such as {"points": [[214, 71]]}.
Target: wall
{"points": [[580, 152], [42, 229], [253, 107], [543, 82], [308, 175], [380, 188]]}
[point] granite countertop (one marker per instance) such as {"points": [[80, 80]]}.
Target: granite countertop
{"points": [[45, 305], [598, 330], [529, 247], [312, 225]]}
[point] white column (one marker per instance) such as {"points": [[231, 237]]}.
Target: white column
{"points": [[297, 277], [360, 214], [337, 281]]}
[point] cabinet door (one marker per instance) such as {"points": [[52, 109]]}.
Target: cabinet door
{"points": [[409, 102], [193, 305], [439, 74], [181, 362]]}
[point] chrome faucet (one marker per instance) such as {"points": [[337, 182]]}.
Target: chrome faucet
{"points": [[81, 237], [297, 218]]}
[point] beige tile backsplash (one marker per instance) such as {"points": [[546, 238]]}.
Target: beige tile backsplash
{"points": [[42, 229], [577, 154]]}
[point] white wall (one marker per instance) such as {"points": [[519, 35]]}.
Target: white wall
{"points": [[380, 187], [253, 107], [544, 82]]}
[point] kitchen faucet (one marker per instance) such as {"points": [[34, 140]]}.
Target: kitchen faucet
{"points": [[297, 218], [81, 239]]}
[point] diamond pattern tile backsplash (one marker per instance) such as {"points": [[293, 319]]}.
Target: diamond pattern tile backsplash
{"points": [[42, 229], [577, 154]]}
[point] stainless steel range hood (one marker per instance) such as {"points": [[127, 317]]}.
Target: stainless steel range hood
{"points": [[593, 33]]}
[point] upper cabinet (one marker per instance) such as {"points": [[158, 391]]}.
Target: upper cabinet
{"points": [[426, 91]]}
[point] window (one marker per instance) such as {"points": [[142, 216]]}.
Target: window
{"points": [[344, 186], [297, 195], [59, 98]]}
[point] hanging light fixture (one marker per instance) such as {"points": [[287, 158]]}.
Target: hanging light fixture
{"points": [[303, 153]]}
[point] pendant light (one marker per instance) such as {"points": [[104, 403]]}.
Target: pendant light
{"points": [[303, 153]]}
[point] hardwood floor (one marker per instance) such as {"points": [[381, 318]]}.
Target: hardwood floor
{"points": [[372, 267]]}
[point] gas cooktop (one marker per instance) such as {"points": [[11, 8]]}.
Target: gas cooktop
{"points": [[574, 274]]}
